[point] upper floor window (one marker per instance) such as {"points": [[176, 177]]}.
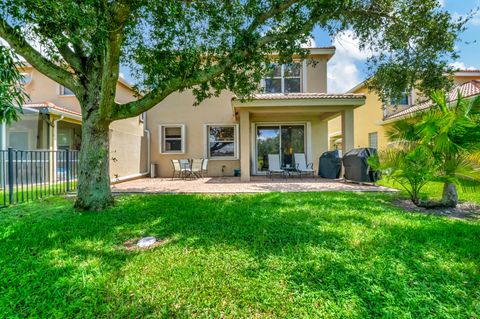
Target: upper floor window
{"points": [[26, 78], [404, 100], [65, 91], [284, 78]]}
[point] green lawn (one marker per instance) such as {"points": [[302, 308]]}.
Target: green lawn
{"points": [[433, 190], [333, 255]]}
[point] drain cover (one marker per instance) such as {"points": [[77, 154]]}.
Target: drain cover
{"points": [[146, 242]]}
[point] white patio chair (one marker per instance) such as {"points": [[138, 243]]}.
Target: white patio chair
{"points": [[303, 168], [197, 167], [274, 165], [177, 171], [204, 167]]}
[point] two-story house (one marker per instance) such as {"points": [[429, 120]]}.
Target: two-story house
{"points": [[52, 121], [374, 119], [289, 116]]}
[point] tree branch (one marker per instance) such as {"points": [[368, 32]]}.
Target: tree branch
{"points": [[71, 58], [135, 108], [21, 47]]}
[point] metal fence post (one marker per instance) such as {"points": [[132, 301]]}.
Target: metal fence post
{"points": [[67, 168], [10, 175]]}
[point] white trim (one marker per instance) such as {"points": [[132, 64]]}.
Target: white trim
{"points": [[161, 145], [308, 146], [236, 139], [463, 73], [4, 136], [357, 101], [304, 73], [253, 147], [307, 140]]}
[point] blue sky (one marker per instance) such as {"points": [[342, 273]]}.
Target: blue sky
{"points": [[348, 67]]}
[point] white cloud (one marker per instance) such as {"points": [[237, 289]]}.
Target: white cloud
{"points": [[461, 66], [310, 43], [442, 3], [343, 73]]}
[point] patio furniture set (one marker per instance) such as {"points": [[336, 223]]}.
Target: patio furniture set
{"points": [[190, 168], [301, 168]]}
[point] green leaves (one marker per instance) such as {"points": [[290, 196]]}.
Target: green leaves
{"points": [[451, 134], [12, 95]]}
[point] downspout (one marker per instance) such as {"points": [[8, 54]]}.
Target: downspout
{"points": [[147, 134]]}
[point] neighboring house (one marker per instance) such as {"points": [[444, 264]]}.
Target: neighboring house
{"points": [[52, 121], [372, 120], [290, 117]]}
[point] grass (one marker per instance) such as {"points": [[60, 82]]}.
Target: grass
{"points": [[333, 255], [433, 190]]}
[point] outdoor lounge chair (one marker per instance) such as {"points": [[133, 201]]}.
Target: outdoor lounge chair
{"points": [[301, 165], [204, 167], [177, 171], [196, 168], [274, 166]]}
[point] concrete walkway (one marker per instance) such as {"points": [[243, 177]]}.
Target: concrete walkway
{"points": [[227, 185]]}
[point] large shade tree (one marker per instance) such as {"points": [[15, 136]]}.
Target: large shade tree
{"points": [[207, 46]]}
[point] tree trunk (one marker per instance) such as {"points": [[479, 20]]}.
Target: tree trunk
{"points": [[449, 195], [94, 181]]}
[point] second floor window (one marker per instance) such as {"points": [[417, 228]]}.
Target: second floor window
{"points": [[65, 91], [404, 100], [284, 78]]}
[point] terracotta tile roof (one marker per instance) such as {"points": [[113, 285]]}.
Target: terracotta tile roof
{"points": [[467, 89], [50, 105], [297, 96]]}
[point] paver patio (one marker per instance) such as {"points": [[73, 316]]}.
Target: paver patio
{"points": [[257, 184]]}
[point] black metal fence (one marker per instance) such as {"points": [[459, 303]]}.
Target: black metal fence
{"points": [[29, 175]]}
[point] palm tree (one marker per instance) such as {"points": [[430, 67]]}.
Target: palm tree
{"points": [[452, 132]]}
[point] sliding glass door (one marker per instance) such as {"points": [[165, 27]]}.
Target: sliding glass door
{"points": [[283, 140]]}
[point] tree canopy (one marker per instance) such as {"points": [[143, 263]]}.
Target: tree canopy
{"points": [[213, 45]]}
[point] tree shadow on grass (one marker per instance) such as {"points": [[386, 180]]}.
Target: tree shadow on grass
{"points": [[74, 262]]}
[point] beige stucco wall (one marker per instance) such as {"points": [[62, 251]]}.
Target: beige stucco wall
{"points": [[178, 109], [366, 120], [128, 146], [369, 116], [317, 75]]}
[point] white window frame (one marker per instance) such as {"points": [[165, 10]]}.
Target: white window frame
{"points": [[161, 134], [370, 139], [409, 100], [206, 152], [282, 77], [61, 91]]}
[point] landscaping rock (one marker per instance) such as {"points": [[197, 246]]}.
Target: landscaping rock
{"points": [[146, 242]]}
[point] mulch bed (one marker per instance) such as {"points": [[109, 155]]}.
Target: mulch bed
{"points": [[463, 210]]}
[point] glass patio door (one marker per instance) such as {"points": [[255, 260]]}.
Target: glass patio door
{"points": [[284, 140]]}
